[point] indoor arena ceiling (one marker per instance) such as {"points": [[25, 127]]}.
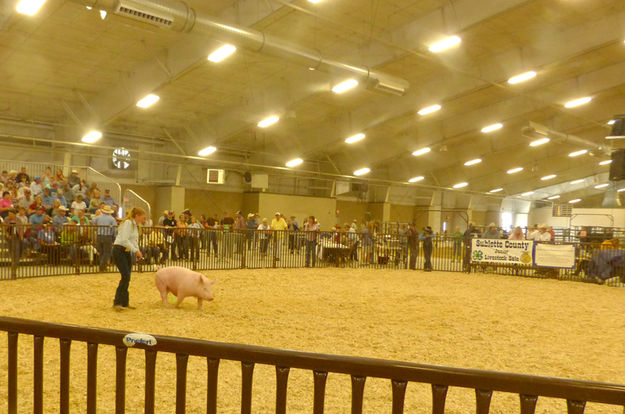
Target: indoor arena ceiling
{"points": [[68, 67]]}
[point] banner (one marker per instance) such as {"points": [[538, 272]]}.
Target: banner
{"points": [[502, 251], [552, 255]]}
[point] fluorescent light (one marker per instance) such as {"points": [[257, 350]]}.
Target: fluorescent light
{"points": [[548, 177], [620, 190], [416, 179], [578, 102], [102, 14], [555, 197], [314, 1], [515, 170], [29, 7], [362, 171], [355, 138], [222, 53], [270, 120], [460, 185], [206, 151], [88, 7], [577, 181], [294, 163], [521, 78], [577, 200], [601, 186], [429, 109], [91, 137], [529, 193], [606, 162], [345, 86], [612, 122], [148, 101], [492, 128], [421, 151], [496, 190], [473, 162], [445, 44], [578, 153], [539, 142]]}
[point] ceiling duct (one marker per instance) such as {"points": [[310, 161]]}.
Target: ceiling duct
{"points": [[611, 198], [177, 15], [618, 128], [536, 130]]}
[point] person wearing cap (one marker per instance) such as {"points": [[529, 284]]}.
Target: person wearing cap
{"points": [[265, 235], [73, 179], [46, 239], [60, 219], [36, 187], [279, 226], [491, 232], [170, 223], [426, 237], [107, 227], [251, 226], [293, 226], [543, 234], [22, 176]]}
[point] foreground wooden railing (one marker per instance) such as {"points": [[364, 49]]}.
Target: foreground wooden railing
{"points": [[529, 388]]}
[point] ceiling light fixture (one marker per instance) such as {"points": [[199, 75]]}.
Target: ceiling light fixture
{"points": [[612, 122], [294, 163], [345, 86], [445, 44], [496, 190], [148, 101], [473, 162], [362, 171], [548, 177], [206, 151], [491, 128], [620, 190], [314, 1], [600, 186], [578, 153], [578, 102], [29, 7], [555, 197], [429, 109], [416, 179], [355, 138], [461, 185], [421, 151], [269, 121], [577, 200], [91, 137], [522, 77], [606, 162], [514, 170], [529, 193], [539, 142], [222, 53], [577, 181]]}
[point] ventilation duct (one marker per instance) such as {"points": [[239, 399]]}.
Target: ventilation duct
{"points": [[177, 15], [611, 198]]}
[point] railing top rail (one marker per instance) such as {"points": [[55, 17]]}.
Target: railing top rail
{"points": [[358, 366]]}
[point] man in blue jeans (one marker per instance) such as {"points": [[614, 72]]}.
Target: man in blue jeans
{"points": [[312, 230]]}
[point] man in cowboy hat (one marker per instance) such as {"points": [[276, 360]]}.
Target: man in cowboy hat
{"points": [[107, 227]]}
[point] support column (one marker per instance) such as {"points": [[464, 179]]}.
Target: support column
{"points": [[169, 198]]}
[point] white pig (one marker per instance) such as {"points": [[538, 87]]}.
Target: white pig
{"points": [[183, 282]]}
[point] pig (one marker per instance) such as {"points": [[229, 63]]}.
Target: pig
{"points": [[183, 282]]}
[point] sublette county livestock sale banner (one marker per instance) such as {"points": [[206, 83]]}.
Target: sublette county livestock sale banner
{"points": [[502, 251]]}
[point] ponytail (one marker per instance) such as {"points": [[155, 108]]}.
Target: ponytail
{"points": [[134, 212]]}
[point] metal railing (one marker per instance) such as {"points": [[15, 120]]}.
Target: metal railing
{"points": [[529, 388]]}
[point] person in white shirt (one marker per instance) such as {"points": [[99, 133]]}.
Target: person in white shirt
{"points": [[127, 244], [532, 232], [36, 187], [78, 204], [543, 235], [264, 236]]}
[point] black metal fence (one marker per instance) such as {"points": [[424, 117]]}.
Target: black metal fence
{"points": [[528, 388], [34, 250]]}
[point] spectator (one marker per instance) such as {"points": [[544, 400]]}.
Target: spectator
{"points": [[517, 234], [66, 192], [4, 177], [23, 174], [46, 180], [170, 223], [5, 204], [60, 219], [107, 226], [26, 200], [80, 217], [36, 187], [251, 226], [240, 225], [367, 238], [293, 227], [195, 230], [54, 189], [532, 233], [13, 236], [95, 201], [13, 176], [491, 232], [212, 224], [73, 179], [85, 238], [59, 177], [47, 240], [582, 235], [107, 199], [22, 181], [278, 225], [156, 247], [457, 239], [47, 198], [413, 245], [54, 210], [427, 248], [162, 218], [543, 235], [552, 233], [78, 205], [265, 236], [181, 238], [69, 240], [311, 229]]}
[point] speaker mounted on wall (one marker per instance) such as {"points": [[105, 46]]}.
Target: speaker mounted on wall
{"points": [[617, 168]]}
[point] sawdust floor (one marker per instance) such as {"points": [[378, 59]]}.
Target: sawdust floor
{"points": [[544, 327]]}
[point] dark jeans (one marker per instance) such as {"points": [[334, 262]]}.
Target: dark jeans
{"points": [[104, 244], [311, 250], [195, 248], [427, 253], [124, 264], [212, 240], [414, 254], [182, 246], [263, 245]]}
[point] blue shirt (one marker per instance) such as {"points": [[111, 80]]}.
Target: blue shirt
{"points": [[48, 200], [108, 200], [58, 221], [107, 225], [63, 200], [47, 236], [36, 219]]}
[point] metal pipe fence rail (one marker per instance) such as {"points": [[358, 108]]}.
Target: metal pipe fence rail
{"points": [[529, 388]]}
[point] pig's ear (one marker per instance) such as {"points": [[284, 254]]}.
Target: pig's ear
{"points": [[212, 282], [201, 279]]}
